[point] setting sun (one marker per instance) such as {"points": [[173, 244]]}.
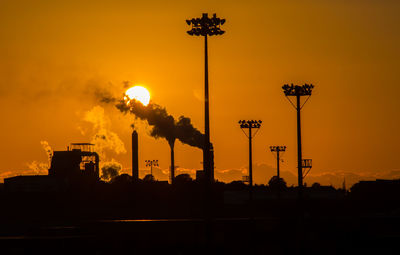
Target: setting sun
{"points": [[138, 93]]}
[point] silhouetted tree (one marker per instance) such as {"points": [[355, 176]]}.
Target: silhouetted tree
{"points": [[316, 185], [122, 179], [236, 185], [183, 178], [110, 171], [276, 183], [149, 178]]}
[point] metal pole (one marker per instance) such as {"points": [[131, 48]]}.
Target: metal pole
{"points": [[207, 168], [250, 167], [299, 156], [206, 155], [172, 164], [277, 170], [277, 162], [204, 27]]}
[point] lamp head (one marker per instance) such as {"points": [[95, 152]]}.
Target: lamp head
{"points": [[297, 90], [206, 26]]}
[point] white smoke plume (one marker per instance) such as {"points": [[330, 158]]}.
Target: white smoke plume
{"points": [[103, 139], [39, 168], [48, 150]]}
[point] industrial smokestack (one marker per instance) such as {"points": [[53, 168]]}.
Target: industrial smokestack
{"points": [[164, 126], [135, 156], [171, 143], [209, 171]]}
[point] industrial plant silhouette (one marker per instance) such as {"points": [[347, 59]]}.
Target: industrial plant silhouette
{"points": [[73, 209]]}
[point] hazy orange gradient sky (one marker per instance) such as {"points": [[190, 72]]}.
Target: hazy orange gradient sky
{"points": [[56, 55]]}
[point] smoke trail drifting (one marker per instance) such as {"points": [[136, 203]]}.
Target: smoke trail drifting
{"points": [[163, 124], [104, 139], [41, 168], [48, 150], [188, 134]]}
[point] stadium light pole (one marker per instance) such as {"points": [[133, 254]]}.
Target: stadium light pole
{"points": [[151, 163], [206, 26], [250, 124], [277, 149], [298, 91]]}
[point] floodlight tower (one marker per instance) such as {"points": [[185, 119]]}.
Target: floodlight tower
{"points": [[298, 91], [277, 149], [206, 26], [151, 163], [250, 124]]}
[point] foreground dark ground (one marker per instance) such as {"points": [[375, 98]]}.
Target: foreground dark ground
{"points": [[370, 235], [156, 219]]}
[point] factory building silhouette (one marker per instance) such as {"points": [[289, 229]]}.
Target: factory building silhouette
{"points": [[78, 165], [79, 162]]}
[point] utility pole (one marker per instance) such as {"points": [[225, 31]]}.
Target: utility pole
{"points": [[250, 124], [298, 91], [206, 26]]}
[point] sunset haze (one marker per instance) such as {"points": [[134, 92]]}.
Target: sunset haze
{"points": [[58, 57]]}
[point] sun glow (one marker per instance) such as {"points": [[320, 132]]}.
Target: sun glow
{"points": [[138, 93]]}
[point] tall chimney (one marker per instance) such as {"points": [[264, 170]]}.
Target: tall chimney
{"points": [[171, 145], [209, 171], [135, 156]]}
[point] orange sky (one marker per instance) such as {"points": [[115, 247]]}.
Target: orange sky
{"points": [[54, 54]]}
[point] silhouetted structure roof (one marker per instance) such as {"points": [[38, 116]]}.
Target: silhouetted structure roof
{"points": [[380, 189]]}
